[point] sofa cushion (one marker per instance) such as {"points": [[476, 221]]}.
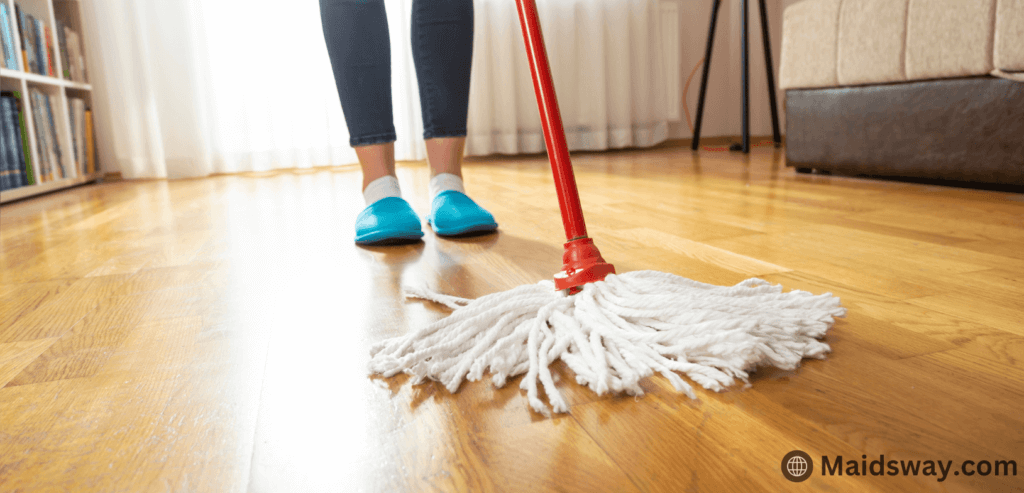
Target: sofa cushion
{"points": [[828, 43], [870, 41], [949, 38], [1008, 53], [809, 44]]}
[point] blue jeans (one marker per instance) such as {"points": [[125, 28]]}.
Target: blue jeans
{"points": [[356, 32]]}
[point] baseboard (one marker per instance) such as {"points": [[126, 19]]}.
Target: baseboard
{"points": [[718, 141]]}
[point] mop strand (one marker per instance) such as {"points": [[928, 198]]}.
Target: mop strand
{"points": [[612, 334]]}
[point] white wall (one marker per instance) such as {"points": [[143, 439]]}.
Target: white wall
{"points": [[722, 110]]}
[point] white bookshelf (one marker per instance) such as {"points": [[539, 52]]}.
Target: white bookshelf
{"points": [[61, 90]]}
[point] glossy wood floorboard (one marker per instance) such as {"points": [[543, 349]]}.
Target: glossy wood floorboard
{"points": [[212, 335]]}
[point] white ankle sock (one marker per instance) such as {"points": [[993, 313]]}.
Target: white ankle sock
{"points": [[383, 187], [443, 182]]}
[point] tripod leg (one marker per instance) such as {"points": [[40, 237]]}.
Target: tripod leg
{"points": [[704, 77], [776, 135], [745, 76]]}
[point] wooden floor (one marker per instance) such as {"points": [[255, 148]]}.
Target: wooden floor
{"points": [[211, 335]]}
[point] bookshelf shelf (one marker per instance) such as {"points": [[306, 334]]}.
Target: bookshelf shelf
{"points": [[58, 155], [45, 187], [43, 79]]}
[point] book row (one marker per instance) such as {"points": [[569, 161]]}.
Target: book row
{"points": [[16, 168], [37, 45]]}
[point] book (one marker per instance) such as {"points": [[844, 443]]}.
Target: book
{"points": [[76, 116], [80, 135], [90, 144], [83, 71], [75, 53], [21, 31], [6, 164], [65, 64], [76, 61], [10, 173], [51, 65], [72, 113], [33, 106], [3, 38], [26, 150], [6, 38], [13, 141], [27, 29], [54, 142], [43, 147], [51, 156], [72, 41], [10, 59], [37, 31]]}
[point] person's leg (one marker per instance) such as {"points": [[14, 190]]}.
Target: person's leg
{"points": [[356, 32], [377, 161], [358, 43], [442, 47], [445, 155]]}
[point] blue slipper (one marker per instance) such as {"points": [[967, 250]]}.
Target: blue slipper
{"points": [[388, 221], [452, 213]]}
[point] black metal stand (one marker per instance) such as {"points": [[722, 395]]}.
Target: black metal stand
{"points": [[744, 74]]}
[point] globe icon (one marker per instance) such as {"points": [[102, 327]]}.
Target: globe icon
{"points": [[797, 466]]}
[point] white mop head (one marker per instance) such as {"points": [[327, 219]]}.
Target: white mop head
{"points": [[614, 333]]}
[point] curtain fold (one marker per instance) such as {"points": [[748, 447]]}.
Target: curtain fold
{"points": [[607, 67], [189, 88]]}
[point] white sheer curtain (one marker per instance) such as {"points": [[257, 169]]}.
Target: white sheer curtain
{"points": [[187, 88], [193, 87], [607, 67]]}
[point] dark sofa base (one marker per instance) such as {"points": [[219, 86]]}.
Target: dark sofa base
{"points": [[969, 129]]}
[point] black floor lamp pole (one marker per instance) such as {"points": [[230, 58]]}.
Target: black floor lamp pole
{"points": [[776, 135], [704, 76], [744, 74]]}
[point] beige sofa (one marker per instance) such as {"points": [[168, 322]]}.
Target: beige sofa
{"points": [[907, 78]]}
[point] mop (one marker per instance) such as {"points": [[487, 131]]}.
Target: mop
{"points": [[612, 330]]}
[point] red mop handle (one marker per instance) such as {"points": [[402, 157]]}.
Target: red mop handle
{"points": [[551, 120], [582, 261]]}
